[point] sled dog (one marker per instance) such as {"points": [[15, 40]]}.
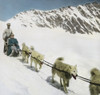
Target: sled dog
{"points": [[36, 58], [25, 53], [95, 78], [58, 67]]}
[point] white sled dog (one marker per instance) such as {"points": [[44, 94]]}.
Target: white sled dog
{"points": [[37, 58], [58, 69], [95, 78], [25, 53]]}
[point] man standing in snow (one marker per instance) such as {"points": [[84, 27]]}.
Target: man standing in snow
{"points": [[6, 35]]}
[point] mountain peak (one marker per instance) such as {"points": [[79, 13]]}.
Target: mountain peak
{"points": [[81, 19]]}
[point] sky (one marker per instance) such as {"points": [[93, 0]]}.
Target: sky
{"points": [[9, 8]]}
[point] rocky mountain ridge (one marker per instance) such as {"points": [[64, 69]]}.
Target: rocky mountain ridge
{"points": [[81, 19]]}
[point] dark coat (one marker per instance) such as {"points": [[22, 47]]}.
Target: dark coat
{"points": [[11, 42]]}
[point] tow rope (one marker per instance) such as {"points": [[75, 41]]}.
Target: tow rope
{"points": [[80, 77], [27, 53], [87, 80], [51, 66]]}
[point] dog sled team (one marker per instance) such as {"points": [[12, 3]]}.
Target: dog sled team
{"points": [[64, 71]]}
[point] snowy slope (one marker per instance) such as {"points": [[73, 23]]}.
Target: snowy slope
{"points": [[81, 19], [17, 78]]}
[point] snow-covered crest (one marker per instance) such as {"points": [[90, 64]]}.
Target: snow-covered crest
{"points": [[81, 19]]}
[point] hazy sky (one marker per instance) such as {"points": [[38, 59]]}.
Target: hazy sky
{"points": [[9, 8]]}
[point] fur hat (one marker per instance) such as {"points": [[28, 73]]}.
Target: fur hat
{"points": [[11, 34], [8, 24]]}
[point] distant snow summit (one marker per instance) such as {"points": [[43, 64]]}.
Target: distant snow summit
{"points": [[82, 19]]}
